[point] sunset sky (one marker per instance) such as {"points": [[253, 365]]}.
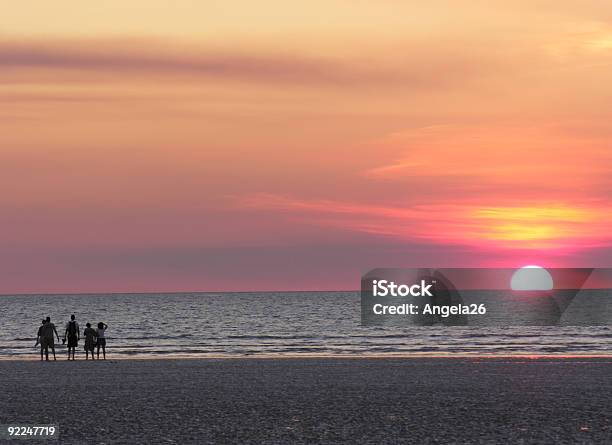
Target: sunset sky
{"points": [[241, 145]]}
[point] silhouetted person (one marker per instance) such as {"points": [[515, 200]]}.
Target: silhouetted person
{"points": [[90, 340], [39, 338], [47, 341], [101, 343], [73, 335]]}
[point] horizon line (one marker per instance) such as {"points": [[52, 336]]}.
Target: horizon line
{"points": [[18, 294]]}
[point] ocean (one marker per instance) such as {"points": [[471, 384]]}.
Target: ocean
{"points": [[268, 323]]}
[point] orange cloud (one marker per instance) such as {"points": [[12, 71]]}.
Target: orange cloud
{"points": [[516, 164], [552, 225]]}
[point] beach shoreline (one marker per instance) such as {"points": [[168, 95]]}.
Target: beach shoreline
{"points": [[61, 356], [315, 400]]}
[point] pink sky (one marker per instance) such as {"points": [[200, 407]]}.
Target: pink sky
{"points": [[260, 145]]}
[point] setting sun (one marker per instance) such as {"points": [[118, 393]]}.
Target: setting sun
{"points": [[531, 278]]}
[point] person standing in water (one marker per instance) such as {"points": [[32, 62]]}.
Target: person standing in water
{"points": [[47, 331], [90, 334], [39, 338], [73, 335], [101, 339]]}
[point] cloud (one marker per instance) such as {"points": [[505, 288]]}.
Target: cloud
{"points": [[415, 69], [552, 225], [520, 161], [320, 266]]}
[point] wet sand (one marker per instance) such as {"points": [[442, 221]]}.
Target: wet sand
{"points": [[315, 400]]}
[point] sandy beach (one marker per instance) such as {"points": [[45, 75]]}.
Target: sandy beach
{"points": [[295, 400]]}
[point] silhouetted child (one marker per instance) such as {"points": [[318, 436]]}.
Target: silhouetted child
{"points": [[90, 341], [101, 343]]}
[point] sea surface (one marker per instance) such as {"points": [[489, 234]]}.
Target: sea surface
{"points": [[268, 323]]}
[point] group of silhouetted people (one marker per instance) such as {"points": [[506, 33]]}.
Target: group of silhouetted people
{"points": [[94, 338]]}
